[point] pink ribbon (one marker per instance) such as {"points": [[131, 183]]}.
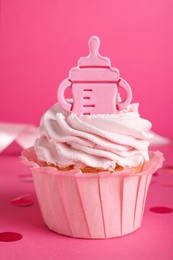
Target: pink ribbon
{"points": [[159, 140], [23, 134]]}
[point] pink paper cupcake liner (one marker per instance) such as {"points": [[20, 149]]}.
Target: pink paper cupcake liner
{"points": [[93, 206]]}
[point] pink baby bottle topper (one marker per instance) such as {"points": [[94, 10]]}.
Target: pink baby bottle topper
{"points": [[95, 85]]}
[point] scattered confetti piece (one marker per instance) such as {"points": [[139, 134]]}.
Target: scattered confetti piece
{"points": [[161, 209], [22, 201], [155, 174], [10, 236], [169, 167]]}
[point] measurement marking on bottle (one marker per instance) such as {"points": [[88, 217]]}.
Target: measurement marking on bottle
{"points": [[86, 114], [88, 105], [87, 89]]}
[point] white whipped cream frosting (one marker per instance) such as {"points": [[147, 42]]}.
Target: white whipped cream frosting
{"points": [[100, 141]]}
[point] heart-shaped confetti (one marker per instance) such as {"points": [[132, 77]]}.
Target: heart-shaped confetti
{"points": [[161, 209], [22, 201], [155, 174], [10, 236]]}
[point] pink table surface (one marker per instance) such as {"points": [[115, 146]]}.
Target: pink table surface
{"points": [[152, 241]]}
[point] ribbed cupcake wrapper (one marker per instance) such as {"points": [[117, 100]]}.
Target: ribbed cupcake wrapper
{"points": [[93, 205]]}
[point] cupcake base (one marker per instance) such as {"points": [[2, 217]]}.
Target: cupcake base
{"points": [[93, 206]]}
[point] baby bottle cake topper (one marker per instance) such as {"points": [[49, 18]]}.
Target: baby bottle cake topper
{"points": [[95, 85]]}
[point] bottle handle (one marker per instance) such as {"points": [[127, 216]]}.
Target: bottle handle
{"points": [[61, 98], [123, 104]]}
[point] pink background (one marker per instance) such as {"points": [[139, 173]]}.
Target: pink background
{"points": [[42, 40]]}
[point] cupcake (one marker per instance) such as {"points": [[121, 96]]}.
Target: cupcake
{"points": [[91, 165]]}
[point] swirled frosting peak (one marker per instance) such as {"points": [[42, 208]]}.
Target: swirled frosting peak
{"points": [[100, 141]]}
